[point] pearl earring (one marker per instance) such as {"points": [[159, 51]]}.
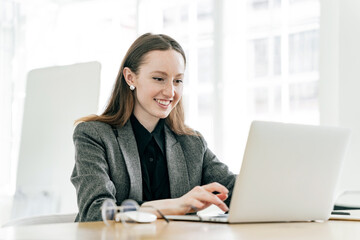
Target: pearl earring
{"points": [[132, 87]]}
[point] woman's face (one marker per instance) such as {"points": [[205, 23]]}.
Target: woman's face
{"points": [[159, 85]]}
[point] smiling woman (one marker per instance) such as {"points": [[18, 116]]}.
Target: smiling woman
{"points": [[154, 53], [158, 86], [140, 147]]}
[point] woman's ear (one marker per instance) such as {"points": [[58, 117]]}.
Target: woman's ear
{"points": [[129, 76]]}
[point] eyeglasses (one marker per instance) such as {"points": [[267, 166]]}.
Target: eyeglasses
{"points": [[129, 211]]}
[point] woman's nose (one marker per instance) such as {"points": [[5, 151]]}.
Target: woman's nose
{"points": [[169, 89]]}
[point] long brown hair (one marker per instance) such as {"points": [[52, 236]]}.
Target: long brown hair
{"points": [[122, 99]]}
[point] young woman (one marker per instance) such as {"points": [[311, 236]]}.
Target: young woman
{"points": [[140, 148]]}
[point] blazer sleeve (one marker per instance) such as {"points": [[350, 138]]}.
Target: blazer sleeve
{"points": [[216, 171], [90, 175]]}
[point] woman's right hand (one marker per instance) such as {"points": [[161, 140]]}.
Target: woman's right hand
{"points": [[201, 197]]}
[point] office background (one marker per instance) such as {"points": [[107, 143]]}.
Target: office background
{"points": [[282, 60]]}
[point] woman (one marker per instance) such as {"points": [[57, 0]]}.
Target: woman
{"points": [[140, 148]]}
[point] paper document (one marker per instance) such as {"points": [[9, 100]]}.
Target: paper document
{"points": [[345, 215]]}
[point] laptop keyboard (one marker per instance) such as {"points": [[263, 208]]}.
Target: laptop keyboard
{"points": [[219, 218]]}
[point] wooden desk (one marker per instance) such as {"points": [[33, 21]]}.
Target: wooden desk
{"points": [[330, 230]]}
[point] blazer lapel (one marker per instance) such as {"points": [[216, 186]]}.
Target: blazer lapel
{"points": [[177, 168], [130, 153]]}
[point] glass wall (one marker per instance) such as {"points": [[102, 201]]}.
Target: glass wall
{"points": [[252, 59]]}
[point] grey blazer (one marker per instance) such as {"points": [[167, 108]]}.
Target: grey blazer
{"points": [[106, 167]]}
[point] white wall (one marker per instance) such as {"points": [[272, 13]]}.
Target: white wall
{"points": [[340, 77]]}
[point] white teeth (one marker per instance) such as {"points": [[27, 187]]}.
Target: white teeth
{"points": [[163, 102]]}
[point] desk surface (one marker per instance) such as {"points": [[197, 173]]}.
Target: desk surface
{"points": [[187, 230]]}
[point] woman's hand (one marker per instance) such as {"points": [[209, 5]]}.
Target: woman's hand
{"points": [[199, 198]]}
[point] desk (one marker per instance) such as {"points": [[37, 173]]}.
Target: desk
{"points": [[331, 230]]}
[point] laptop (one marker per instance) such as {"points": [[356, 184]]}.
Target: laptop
{"points": [[289, 173]]}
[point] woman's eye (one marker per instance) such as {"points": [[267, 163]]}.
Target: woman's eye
{"points": [[158, 78], [178, 81]]}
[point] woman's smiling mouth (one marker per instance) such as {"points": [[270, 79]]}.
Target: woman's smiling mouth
{"points": [[164, 103]]}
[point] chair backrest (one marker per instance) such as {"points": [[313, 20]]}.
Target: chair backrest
{"points": [[55, 98]]}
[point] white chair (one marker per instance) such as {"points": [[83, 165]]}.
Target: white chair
{"points": [[55, 98]]}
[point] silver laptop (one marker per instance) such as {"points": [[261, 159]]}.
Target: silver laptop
{"points": [[289, 173]]}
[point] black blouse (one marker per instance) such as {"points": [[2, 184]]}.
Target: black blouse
{"points": [[151, 148]]}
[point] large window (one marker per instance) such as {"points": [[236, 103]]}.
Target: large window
{"points": [[43, 33], [253, 59], [247, 60], [7, 51]]}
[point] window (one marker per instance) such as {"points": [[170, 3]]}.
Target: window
{"points": [[260, 60], [8, 27], [303, 52], [254, 59], [43, 33], [283, 62]]}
